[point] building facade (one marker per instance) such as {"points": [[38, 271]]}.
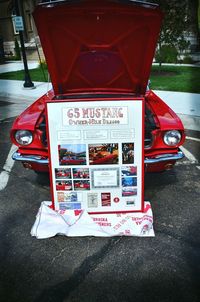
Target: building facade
{"points": [[8, 33]]}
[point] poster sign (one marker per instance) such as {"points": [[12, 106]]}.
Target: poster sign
{"points": [[96, 155]]}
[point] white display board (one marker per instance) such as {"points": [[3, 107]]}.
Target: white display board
{"points": [[96, 155]]}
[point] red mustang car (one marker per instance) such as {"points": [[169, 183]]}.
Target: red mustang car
{"points": [[129, 192], [108, 159], [81, 185], [72, 161], [62, 174], [99, 50], [63, 187]]}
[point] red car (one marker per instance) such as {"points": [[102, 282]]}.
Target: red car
{"points": [[99, 50], [81, 175], [63, 187], [81, 185], [129, 192], [108, 159], [72, 161], [61, 174]]}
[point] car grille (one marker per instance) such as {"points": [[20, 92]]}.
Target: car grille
{"points": [[42, 128], [148, 140]]}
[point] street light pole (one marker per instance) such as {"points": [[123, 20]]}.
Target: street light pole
{"points": [[27, 79]]}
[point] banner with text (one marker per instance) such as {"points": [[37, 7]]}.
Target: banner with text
{"points": [[96, 155]]}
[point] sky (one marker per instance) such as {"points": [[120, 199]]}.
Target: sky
{"points": [[77, 148]]}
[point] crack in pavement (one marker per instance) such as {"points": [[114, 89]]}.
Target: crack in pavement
{"points": [[62, 290], [59, 255]]}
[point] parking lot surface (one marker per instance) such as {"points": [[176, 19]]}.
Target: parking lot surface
{"points": [[163, 268]]}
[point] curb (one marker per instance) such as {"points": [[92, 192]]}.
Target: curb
{"points": [[190, 122]]}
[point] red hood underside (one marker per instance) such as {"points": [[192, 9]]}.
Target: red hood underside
{"points": [[98, 45]]}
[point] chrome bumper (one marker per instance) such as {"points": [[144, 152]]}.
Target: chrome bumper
{"points": [[30, 158], [164, 157], [39, 160]]}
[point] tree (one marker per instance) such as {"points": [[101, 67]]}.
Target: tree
{"points": [[174, 26]]}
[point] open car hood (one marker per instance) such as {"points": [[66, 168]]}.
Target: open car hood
{"points": [[98, 45]]}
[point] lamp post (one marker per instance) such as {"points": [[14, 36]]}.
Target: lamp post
{"points": [[27, 79]]}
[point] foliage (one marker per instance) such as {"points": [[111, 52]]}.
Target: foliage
{"points": [[187, 60], [175, 20], [43, 64], [167, 54], [179, 19]]}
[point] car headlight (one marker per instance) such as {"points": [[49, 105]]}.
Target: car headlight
{"points": [[24, 137], [172, 137]]}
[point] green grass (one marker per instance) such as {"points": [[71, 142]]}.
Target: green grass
{"points": [[176, 78], [37, 75], [172, 78]]}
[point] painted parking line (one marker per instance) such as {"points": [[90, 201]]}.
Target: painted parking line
{"points": [[4, 175], [189, 155], [193, 139]]}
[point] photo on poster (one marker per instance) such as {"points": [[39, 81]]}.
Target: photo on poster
{"points": [[106, 199], [70, 206], [130, 202], [72, 154], [81, 173], [129, 181], [71, 197], [92, 200], [62, 185], [81, 185], [63, 173], [60, 196], [127, 153], [129, 191], [103, 154], [129, 171]]}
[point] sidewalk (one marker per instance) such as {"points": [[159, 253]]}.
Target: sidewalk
{"points": [[17, 65], [12, 89], [186, 105]]}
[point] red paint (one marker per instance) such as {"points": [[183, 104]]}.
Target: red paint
{"points": [[95, 45], [99, 47]]}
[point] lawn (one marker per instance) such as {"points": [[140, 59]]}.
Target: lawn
{"points": [[37, 75], [176, 78], [172, 78]]}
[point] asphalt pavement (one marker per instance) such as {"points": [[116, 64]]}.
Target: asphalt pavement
{"points": [[165, 268]]}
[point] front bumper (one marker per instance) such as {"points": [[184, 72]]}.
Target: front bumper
{"points": [[45, 161], [36, 159]]}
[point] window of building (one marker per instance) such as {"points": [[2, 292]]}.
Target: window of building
{"points": [[29, 21]]}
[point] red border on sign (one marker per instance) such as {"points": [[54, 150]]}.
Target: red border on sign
{"points": [[117, 99]]}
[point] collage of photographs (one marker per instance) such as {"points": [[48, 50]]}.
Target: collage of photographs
{"points": [[99, 154], [71, 182], [68, 179]]}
